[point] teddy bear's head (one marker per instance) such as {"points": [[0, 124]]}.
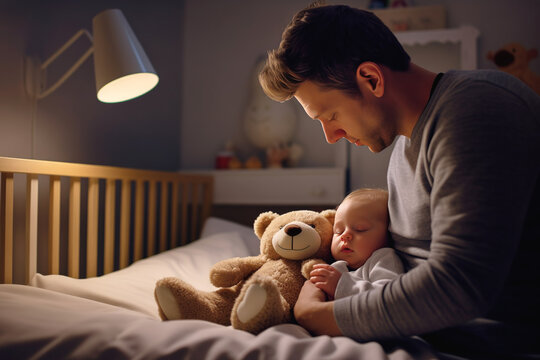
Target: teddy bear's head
{"points": [[296, 235]]}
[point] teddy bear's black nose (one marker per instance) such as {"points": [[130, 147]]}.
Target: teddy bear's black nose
{"points": [[293, 230], [503, 58]]}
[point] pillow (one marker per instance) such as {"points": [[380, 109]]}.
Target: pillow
{"points": [[133, 287], [215, 225]]}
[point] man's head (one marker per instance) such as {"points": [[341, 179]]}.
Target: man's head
{"points": [[325, 45]]}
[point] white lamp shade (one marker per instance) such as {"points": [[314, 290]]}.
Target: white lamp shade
{"points": [[122, 69]]}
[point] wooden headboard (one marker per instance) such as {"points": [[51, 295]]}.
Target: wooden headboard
{"points": [[114, 215]]}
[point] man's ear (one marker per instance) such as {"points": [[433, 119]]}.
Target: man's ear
{"points": [[369, 77]]}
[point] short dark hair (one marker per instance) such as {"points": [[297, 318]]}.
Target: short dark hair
{"points": [[325, 44]]}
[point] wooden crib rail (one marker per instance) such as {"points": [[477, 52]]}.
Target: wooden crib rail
{"points": [[152, 211]]}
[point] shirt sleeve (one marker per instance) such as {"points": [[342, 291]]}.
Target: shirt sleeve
{"points": [[341, 266], [381, 267]]}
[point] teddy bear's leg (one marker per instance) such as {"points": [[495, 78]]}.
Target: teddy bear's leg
{"points": [[177, 299], [259, 306]]}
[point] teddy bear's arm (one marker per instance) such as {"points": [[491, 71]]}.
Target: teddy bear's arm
{"points": [[307, 266], [230, 272]]}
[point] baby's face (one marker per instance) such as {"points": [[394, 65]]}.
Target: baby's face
{"points": [[360, 228]]}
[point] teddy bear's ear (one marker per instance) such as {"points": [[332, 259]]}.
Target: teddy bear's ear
{"points": [[329, 214], [262, 222]]}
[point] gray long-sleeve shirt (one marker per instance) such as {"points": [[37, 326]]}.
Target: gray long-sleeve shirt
{"points": [[464, 213]]}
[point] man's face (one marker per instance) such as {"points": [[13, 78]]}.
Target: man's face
{"points": [[362, 120]]}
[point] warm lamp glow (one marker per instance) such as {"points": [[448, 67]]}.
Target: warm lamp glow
{"points": [[127, 87], [122, 69]]}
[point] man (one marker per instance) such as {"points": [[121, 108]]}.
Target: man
{"points": [[463, 181]]}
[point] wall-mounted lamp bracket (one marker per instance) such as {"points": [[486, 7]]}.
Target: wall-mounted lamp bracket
{"points": [[121, 68], [35, 72]]}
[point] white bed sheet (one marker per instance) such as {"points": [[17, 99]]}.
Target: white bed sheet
{"points": [[43, 324], [115, 316], [133, 287]]}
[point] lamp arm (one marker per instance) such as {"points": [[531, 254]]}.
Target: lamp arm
{"points": [[72, 69]]}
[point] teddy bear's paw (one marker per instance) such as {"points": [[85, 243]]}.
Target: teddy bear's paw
{"points": [[259, 307], [167, 303], [252, 303], [307, 266]]}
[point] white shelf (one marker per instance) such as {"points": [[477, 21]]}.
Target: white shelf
{"points": [[465, 36], [287, 186]]}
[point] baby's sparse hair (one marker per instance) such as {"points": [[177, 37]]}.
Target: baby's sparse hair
{"points": [[373, 194]]}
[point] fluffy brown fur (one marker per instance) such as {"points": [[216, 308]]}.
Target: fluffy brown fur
{"points": [[256, 292]]}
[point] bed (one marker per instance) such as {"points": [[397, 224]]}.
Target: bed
{"points": [[82, 247]]}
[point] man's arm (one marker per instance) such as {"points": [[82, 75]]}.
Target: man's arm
{"points": [[476, 209], [314, 313]]}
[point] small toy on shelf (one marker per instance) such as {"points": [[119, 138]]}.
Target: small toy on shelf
{"points": [[514, 59], [253, 162]]}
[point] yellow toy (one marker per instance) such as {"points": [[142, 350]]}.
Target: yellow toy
{"points": [[256, 292], [514, 59]]}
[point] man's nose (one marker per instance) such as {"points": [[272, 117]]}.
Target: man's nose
{"points": [[331, 135]]}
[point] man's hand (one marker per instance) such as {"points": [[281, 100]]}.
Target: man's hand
{"points": [[314, 313], [326, 278]]}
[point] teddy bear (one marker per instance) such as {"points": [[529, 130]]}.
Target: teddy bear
{"points": [[256, 292], [514, 59]]}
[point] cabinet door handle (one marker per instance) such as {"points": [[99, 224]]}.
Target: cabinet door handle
{"points": [[318, 192]]}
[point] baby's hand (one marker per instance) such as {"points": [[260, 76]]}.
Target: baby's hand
{"points": [[326, 278]]}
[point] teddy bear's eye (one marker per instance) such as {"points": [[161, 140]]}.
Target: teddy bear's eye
{"points": [[281, 227], [312, 225]]}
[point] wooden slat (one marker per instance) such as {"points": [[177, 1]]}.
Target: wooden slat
{"points": [[174, 215], [41, 167], [31, 226], [54, 225], [208, 197], [184, 210], [152, 213], [139, 220], [92, 227], [125, 213], [194, 211], [110, 208], [163, 216], [74, 228], [6, 226]]}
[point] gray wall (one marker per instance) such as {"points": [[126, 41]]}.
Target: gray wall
{"points": [[204, 51], [223, 41]]}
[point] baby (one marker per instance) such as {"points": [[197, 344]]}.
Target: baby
{"points": [[360, 244]]}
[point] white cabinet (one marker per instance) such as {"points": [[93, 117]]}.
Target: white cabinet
{"points": [[288, 186], [298, 186], [430, 48]]}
